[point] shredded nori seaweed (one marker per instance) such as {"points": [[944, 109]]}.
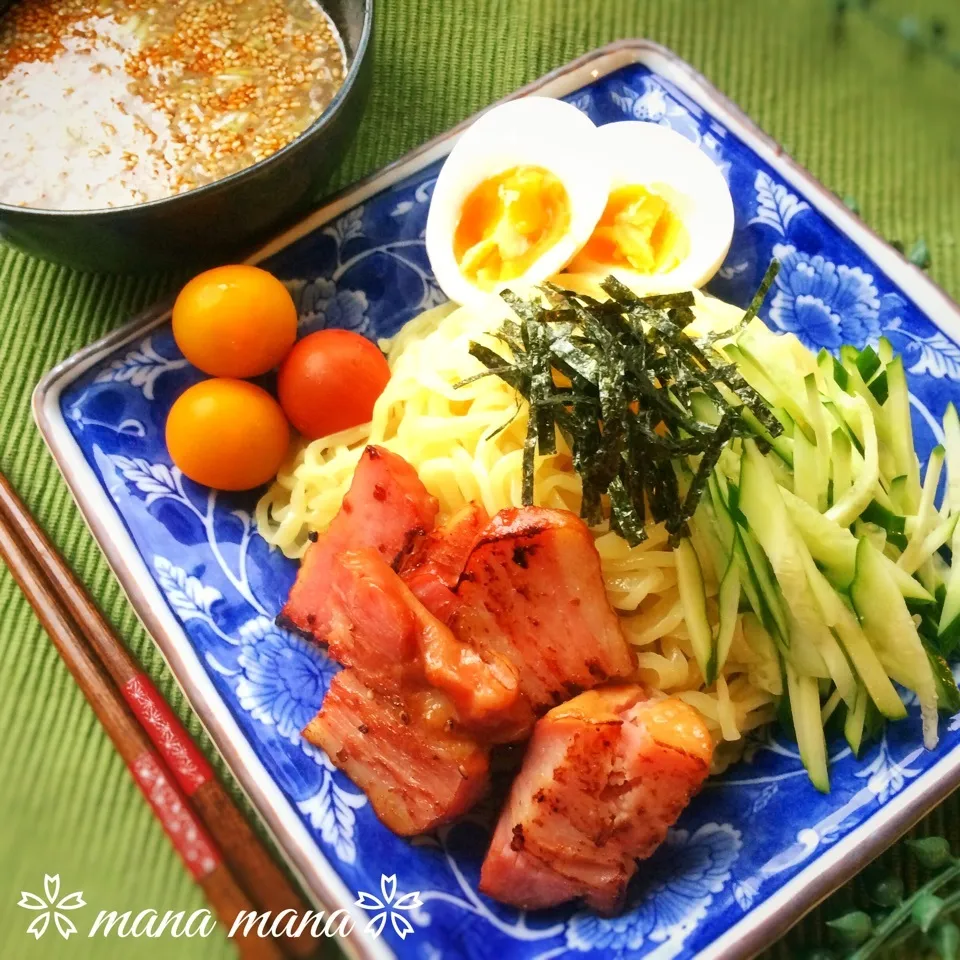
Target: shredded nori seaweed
{"points": [[626, 414]]}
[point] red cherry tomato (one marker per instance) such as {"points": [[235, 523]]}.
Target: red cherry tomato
{"points": [[330, 381]]}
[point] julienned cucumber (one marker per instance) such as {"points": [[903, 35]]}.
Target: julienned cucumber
{"points": [[949, 627], [729, 602], [805, 709], [693, 599], [752, 567], [770, 668], [855, 721], [841, 619], [948, 696], [781, 445], [714, 527], [752, 371], [838, 548], [897, 410], [771, 607], [888, 625], [806, 472], [835, 550], [764, 510]]}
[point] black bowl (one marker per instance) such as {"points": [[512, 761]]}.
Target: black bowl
{"points": [[223, 219]]}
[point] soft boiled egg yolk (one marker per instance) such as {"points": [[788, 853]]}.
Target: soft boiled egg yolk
{"points": [[508, 222], [639, 230]]}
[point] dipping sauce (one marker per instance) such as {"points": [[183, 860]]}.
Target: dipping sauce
{"points": [[109, 103]]}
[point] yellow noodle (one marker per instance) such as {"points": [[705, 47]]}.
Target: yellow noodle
{"points": [[466, 443]]}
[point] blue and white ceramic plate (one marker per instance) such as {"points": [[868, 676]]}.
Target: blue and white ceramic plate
{"points": [[759, 846]]}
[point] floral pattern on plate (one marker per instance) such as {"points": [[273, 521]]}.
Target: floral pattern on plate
{"points": [[751, 830]]}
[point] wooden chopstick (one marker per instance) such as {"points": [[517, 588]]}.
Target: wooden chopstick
{"points": [[134, 715], [242, 849], [169, 803]]}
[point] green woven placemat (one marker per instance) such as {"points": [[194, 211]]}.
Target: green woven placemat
{"points": [[865, 118]]}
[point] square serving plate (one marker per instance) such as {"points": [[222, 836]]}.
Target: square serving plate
{"points": [[759, 846]]}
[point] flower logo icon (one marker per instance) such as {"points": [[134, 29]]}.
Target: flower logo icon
{"points": [[52, 905], [382, 908]]}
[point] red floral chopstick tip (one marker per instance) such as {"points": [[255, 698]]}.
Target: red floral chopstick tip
{"points": [[163, 727]]}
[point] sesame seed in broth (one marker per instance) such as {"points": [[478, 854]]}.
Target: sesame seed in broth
{"points": [[116, 102]]}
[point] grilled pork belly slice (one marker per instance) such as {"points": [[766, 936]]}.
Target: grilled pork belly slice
{"points": [[532, 591], [404, 719], [382, 631], [433, 566], [386, 509], [605, 775], [404, 754]]}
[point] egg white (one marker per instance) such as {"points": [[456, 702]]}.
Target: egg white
{"points": [[664, 162], [532, 131]]}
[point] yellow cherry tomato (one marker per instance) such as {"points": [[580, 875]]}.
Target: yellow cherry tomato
{"points": [[227, 434], [236, 321]]}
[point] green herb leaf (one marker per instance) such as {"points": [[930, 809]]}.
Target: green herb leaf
{"points": [[926, 908], [887, 891], [946, 939], [919, 254], [932, 852], [852, 928]]}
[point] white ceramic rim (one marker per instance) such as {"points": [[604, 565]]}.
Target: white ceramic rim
{"points": [[770, 918]]}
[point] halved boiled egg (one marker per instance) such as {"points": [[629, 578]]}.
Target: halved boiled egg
{"points": [[668, 221], [516, 199]]}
